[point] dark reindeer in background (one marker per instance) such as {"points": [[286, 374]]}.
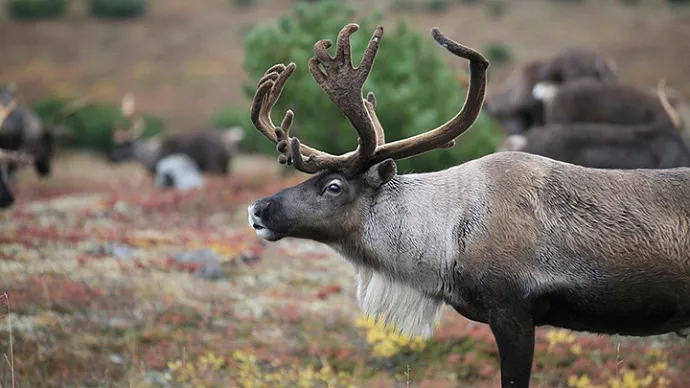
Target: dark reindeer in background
{"points": [[25, 139], [511, 239], [21, 129], [212, 150], [513, 103], [607, 125]]}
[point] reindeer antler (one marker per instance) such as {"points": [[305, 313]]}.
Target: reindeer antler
{"points": [[666, 104], [343, 84], [136, 121]]}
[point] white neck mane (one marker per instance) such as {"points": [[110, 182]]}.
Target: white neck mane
{"points": [[408, 250]]}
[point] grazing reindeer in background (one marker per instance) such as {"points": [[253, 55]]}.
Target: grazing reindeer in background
{"points": [[511, 239], [613, 125], [210, 149], [21, 129], [513, 103]]}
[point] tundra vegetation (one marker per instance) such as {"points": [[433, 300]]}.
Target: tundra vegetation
{"points": [[106, 280]]}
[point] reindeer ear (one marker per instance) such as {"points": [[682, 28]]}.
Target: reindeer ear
{"points": [[380, 173]]}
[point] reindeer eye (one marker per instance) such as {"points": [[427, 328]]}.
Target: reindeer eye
{"points": [[334, 187]]}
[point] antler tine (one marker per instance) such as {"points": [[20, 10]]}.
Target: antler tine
{"points": [[666, 104], [444, 135], [343, 84], [292, 152], [130, 112], [370, 103]]}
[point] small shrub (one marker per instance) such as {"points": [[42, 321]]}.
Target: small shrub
{"points": [[35, 9], [402, 5], [497, 53], [415, 86], [497, 8], [437, 5], [678, 2], [117, 9], [92, 125], [242, 3]]}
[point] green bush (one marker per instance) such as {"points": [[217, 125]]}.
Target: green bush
{"points": [[415, 87], [678, 2], [437, 5], [117, 9], [35, 9], [497, 8], [92, 125], [497, 52]]}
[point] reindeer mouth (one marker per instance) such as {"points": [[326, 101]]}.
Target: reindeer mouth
{"points": [[262, 230]]}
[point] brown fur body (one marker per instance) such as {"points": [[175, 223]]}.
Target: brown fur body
{"points": [[588, 101], [209, 148], [23, 130], [601, 125], [512, 103], [604, 251]]}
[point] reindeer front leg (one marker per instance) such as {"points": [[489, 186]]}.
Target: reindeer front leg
{"points": [[514, 334]]}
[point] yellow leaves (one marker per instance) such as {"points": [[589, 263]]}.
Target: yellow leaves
{"points": [[628, 378], [576, 349], [196, 373], [560, 336], [209, 370], [386, 341], [658, 367], [579, 382]]}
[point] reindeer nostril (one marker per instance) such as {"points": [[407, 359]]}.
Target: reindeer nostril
{"points": [[260, 209]]}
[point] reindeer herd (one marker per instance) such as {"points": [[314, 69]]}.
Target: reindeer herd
{"points": [[174, 160], [573, 108], [581, 220]]}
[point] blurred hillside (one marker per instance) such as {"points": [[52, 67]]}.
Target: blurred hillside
{"points": [[183, 59]]}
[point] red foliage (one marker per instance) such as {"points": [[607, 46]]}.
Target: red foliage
{"points": [[324, 292]]}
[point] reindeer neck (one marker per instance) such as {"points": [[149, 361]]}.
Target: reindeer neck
{"points": [[408, 228]]}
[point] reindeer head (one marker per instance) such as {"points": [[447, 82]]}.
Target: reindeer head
{"points": [[517, 102], [332, 203], [124, 136]]}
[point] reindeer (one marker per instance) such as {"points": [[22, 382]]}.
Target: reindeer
{"points": [[512, 240], [589, 101], [211, 150], [513, 103], [598, 125], [21, 129]]}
